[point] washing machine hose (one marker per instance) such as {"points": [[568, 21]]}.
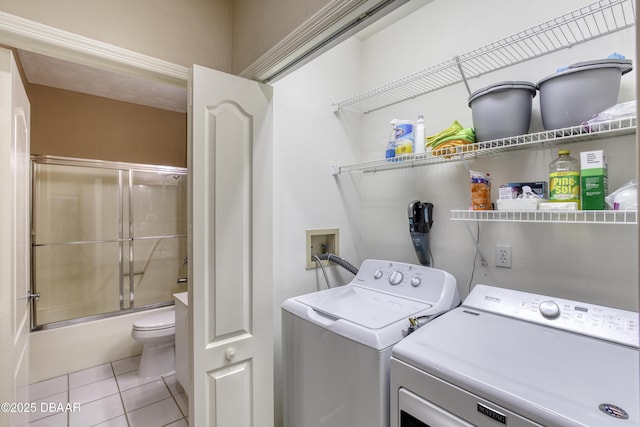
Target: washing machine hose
{"points": [[340, 261]]}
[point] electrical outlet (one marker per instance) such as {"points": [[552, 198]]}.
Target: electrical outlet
{"points": [[321, 242], [503, 256]]}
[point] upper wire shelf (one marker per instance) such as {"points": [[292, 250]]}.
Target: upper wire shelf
{"points": [[558, 216], [611, 128], [587, 23]]}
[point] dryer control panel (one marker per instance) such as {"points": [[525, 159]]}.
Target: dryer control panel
{"points": [[417, 282], [593, 320]]}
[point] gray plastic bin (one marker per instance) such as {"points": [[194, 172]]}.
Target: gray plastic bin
{"points": [[573, 95], [502, 109]]}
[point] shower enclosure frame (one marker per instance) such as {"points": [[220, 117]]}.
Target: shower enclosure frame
{"points": [[123, 168]]}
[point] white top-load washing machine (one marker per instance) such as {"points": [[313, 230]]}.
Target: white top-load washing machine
{"points": [[337, 342], [519, 359]]}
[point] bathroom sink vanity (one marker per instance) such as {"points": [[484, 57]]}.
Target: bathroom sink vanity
{"points": [[182, 341]]}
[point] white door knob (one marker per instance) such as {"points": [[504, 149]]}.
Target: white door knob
{"points": [[230, 353]]}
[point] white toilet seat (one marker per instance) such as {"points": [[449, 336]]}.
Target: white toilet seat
{"points": [[158, 336], [157, 321]]}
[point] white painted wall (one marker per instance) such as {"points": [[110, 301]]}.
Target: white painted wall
{"points": [[372, 207], [308, 138], [592, 263]]}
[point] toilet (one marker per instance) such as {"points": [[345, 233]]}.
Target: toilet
{"points": [[156, 333]]}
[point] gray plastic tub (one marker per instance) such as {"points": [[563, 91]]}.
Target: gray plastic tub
{"points": [[502, 109], [574, 95]]}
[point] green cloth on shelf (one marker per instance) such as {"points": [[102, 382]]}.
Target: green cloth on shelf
{"points": [[453, 132]]}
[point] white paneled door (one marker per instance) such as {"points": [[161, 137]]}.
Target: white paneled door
{"points": [[14, 241], [230, 250]]}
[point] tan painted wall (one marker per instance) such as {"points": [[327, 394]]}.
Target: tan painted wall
{"points": [[72, 124], [222, 34], [227, 35], [183, 32]]}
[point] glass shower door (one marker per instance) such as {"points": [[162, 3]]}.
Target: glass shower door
{"points": [[107, 238], [76, 241], [158, 233]]}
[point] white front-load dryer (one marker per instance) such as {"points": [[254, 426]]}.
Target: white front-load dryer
{"points": [[517, 359], [337, 342]]}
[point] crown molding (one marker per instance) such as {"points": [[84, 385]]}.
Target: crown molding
{"points": [[317, 34], [30, 35]]}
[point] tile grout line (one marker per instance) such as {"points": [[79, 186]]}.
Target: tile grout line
{"points": [[173, 396], [29, 422], [161, 400], [161, 378], [68, 399], [124, 408]]}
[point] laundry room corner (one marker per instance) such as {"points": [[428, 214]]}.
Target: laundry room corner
{"points": [[323, 125]]}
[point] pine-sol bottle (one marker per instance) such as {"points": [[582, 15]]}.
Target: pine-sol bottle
{"points": [[564, 179]]}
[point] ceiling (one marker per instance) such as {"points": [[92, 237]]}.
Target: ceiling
{"points": [[60, 74]]}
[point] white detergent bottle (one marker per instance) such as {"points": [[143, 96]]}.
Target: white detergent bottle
{"points": [[418, 144]]}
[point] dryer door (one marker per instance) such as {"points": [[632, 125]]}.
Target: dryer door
{"points": [[417, 412], [467, 410]]}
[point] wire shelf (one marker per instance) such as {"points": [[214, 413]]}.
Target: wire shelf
{"points": [[558, 216], [587, 23], [611, 128]]}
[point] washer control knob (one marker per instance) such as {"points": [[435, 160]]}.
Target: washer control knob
{"points": [[396, 278], [377, 274], [549, 309], [415, 282]]}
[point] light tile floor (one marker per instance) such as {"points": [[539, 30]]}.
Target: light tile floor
{"points": [[109, 395]]}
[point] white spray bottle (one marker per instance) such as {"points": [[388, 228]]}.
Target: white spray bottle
{"points": [[390, 153], [418, 141]]}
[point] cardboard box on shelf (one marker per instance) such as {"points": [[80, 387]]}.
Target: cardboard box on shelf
{"points": [[540, 188], [530, 204], [594, 184]]}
